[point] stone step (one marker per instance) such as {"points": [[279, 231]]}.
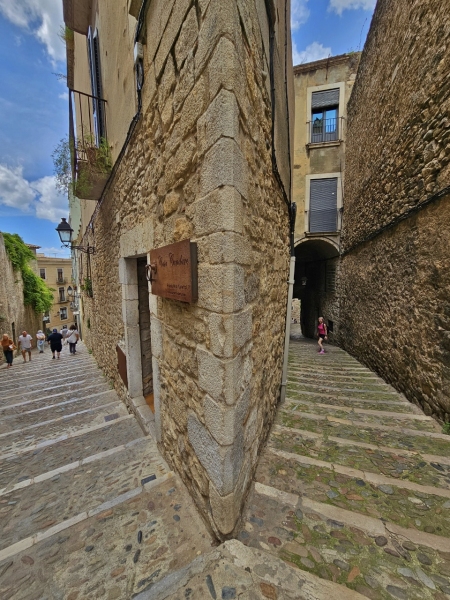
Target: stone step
{"points": [[298, 388], [330, 380], [379, 560], [234, 570], [372, 416], [314, 373], [102, 554], [37, 461], [45, 365], [398, 404], [21, 420], [69, 493], [34, 434], [405, 503], [427, 470], [52, 384], [88, 387], [382, 435]]}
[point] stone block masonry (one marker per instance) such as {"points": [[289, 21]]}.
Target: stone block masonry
{"points": [[394, 282], [199, 166]]}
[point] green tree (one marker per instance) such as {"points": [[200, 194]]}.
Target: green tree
{"points": [[36, 292]]}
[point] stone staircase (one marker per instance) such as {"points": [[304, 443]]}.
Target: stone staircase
{"points": [[351, 499], [354, 484], [88, 508]]}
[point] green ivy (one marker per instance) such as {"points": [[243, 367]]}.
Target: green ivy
{"points": [[36, 293]]}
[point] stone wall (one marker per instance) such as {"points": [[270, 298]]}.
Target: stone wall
{"points": [[395, 313], [199, 166], [14, 315]]}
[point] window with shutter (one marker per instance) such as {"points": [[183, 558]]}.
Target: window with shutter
{"points": [[325, 115], [323, 205], [96, 84]]}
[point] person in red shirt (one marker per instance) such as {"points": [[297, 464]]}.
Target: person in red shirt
{"points": [[322, 334]]}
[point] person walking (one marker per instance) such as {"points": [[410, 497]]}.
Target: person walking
{"points": [[25, 343], [322, 334], [40, 341], [65, 333], [73, 338], [55, 341], [8, 349]]}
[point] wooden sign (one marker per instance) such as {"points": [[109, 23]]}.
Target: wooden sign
{"points": [[173, 271]]}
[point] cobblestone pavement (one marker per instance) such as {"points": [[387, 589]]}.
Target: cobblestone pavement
{"points": [[88, 508], [354, 484], [351, 498]]}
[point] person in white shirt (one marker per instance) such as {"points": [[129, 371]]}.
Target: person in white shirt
{"points": [[25, 344], [73, 338], [65, 333], [40, 337]]}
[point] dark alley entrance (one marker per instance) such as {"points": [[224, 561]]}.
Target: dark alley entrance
{"points": [[316, 272]]}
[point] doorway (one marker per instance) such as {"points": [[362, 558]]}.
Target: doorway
{"points": [[144, 333]]}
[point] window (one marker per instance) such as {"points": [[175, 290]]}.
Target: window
{"points": [[60, 274], [96, 84], [63, 313], [62, 294], [323, 205], [42, 273], [325, 116]]}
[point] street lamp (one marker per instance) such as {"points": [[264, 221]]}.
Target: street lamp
{"points": [[65, 232]]}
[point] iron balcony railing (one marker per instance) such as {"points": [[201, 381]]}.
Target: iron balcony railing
{"points": [[87, 130], [61, 280], [325, 130]]}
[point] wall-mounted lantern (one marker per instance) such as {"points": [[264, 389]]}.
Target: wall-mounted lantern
{"points": [[65, 232]]}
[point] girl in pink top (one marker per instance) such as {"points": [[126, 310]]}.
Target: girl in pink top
{"points": [[322, 334]]}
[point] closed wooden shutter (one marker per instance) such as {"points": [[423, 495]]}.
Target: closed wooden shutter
{"points": [[122, 365], [323, 205], [96, 84], [325, 98]]}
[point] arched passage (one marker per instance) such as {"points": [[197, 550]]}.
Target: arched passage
{"points": [[316, 272]]}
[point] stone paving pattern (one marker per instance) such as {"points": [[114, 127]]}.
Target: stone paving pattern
{"points": [[88, 508], [347, 503], [358, 498]]}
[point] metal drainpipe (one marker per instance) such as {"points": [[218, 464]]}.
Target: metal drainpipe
{"points": [[289, 306]]}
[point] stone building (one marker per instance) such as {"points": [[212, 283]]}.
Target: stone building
{"points": [[322, 91], [14, 315], [190, 99], [57, 274], [395, 276]]}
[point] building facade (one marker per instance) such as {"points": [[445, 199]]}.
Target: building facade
{"points": [[395, 280], [15, 316], [322, 91], [182, 108], [57, 274]]}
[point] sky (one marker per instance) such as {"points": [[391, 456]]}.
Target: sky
{"points": [[34, 101]]}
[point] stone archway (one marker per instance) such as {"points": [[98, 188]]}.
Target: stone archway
{"points": [[316, 273]]}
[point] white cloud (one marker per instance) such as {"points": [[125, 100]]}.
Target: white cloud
{"points": [[42, 18], [64, 96], [339, 6], [15, 191], [299, 13], [39, 197], [50, 204], [314, 51]]}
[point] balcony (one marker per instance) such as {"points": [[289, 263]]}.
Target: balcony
{"points": [[61, 280], [89, 149], [325, 131]]}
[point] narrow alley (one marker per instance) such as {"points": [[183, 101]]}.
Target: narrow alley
{"points": [[354, 484], [88, 508], [351, 498]]}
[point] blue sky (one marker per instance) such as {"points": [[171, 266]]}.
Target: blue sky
{"points": [[33, 102]]}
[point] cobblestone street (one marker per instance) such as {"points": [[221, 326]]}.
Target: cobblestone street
{"points": [[351, 498], [354, 484], [88, 507]]}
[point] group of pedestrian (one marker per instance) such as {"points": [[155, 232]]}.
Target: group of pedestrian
{"points": [[54, 339]]}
